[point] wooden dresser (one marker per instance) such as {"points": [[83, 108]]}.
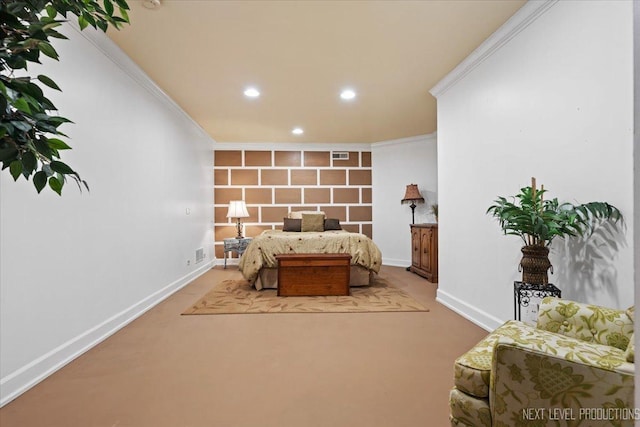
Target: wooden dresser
{"points": [[424, 251]]}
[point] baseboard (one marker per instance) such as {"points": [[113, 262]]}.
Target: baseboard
{"points": [[230, 261], [396, 262], [21, 380], [469, 312]]}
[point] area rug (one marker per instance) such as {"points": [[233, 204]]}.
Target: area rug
{"points": [[238, 296]]}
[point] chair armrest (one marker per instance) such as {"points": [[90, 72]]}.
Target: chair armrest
{"points": [[590, 323], [560, 378]]}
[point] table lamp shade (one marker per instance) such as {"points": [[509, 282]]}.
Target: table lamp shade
{"points": [[237, 209]]}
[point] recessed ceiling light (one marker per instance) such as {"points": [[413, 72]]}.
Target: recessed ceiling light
{"points": [[297, 131], [151, 4], [251, 92], [347, 94]]}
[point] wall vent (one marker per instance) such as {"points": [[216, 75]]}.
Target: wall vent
{"points": [[199, 255], [340, 155]]}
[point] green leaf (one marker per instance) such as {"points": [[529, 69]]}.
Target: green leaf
{"points": [[29, 163], [108, 7], [89, 18], [58, 120], [124, 14], [47, 81], [28, 88], [48, 50], [122, 4], [23, 126], [42, 147], [82, 21], [60, 167], [22, 105], [48, 28], [52, 12], [57, 144], [39, 180], [103, 25], [9, 153], [15, 168], [56, 185]]}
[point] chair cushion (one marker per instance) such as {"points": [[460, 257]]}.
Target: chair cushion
{"points": [[590, 323], [472, 370], [467, 410]]}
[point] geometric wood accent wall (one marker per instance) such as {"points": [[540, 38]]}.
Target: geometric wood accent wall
{"points": [[274, 183]]}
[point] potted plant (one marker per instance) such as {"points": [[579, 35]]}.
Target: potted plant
{"points": [[537, 221]]}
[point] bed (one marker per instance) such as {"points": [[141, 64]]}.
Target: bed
{"points": [[259, 265]]}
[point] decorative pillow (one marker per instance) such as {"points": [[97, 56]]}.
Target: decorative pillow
{"points": [[332, 224], [298, 214], [312, 222], [631, 350], [291, 224]]}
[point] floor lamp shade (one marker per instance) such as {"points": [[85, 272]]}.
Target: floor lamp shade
{"points": [[412, 194]]}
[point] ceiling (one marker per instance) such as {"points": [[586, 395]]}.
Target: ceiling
{"points": [[300, 55]]}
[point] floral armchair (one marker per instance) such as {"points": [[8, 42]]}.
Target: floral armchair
{"points": [[575, 367]]}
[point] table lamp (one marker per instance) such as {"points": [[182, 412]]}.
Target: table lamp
{"points": [[237, 210]]}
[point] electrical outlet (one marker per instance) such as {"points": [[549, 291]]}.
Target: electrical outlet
{"points": [[188, 262]]}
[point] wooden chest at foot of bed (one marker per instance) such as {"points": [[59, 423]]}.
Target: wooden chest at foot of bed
{"points": [[313, 274]]}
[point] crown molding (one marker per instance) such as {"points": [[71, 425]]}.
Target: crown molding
{"points": [[321, 146], [287, 146], [530, 12], [431, 137], [116, 55]]}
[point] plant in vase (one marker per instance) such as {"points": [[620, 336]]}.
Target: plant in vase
{"points": [[537, 221], [434, 211]]}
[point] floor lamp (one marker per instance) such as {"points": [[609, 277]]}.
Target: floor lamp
{"points": [[412, 194]]}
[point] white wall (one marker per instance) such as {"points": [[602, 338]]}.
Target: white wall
{"points": [[555, 101], [636, 163], [76, 268], [395, 164]]}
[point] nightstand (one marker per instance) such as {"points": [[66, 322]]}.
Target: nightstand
{"points": [[235, 245]]}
